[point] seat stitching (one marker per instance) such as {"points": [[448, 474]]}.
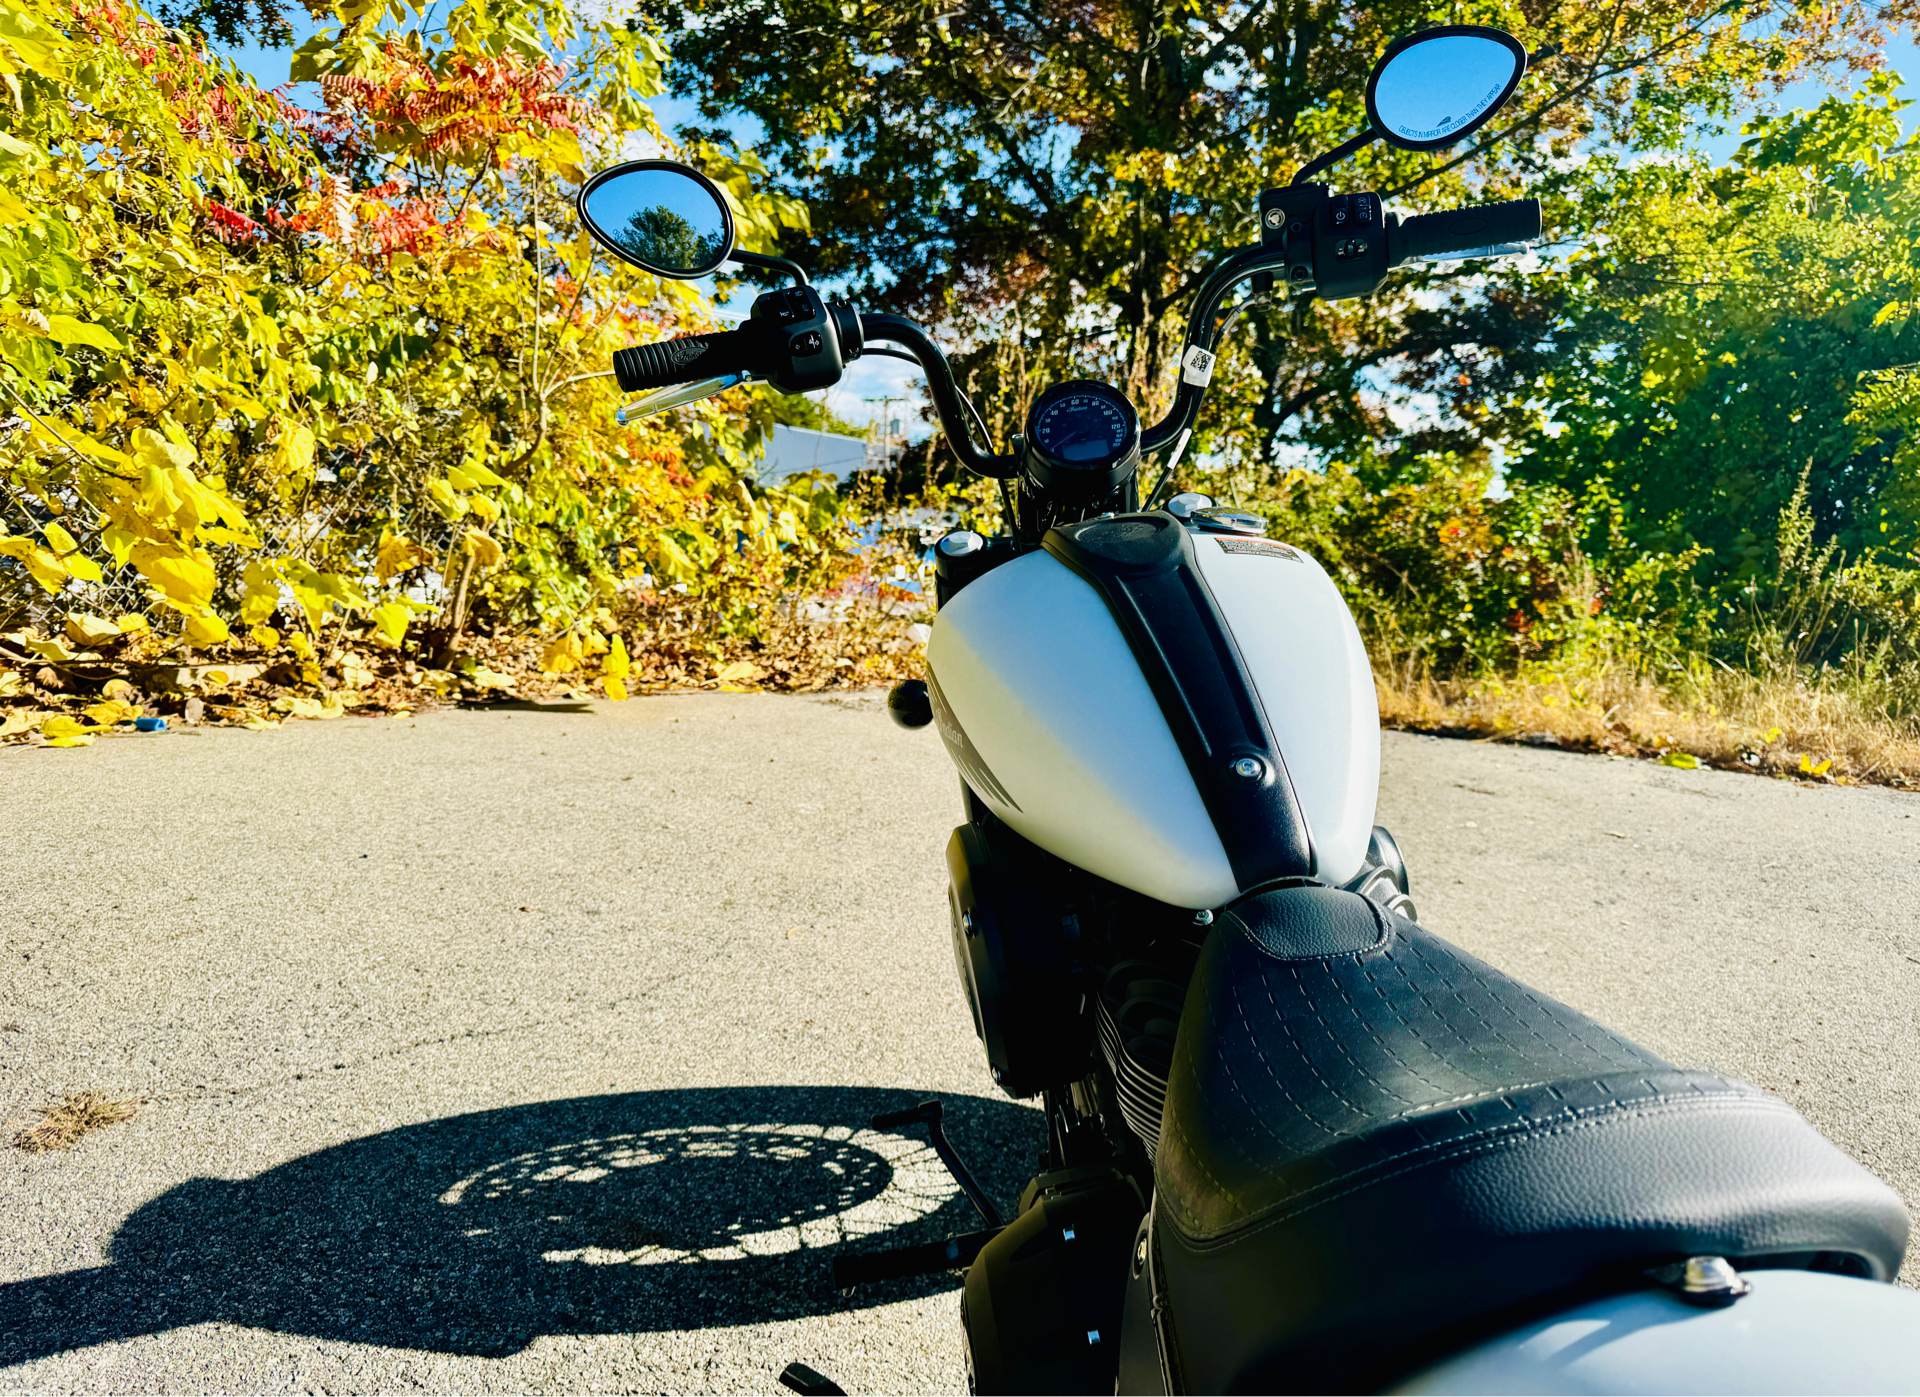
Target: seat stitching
{"points": [[1493, 1139], [1301, 1108], [1169, 1122], [1454, 1101], [1382, 934], [1486, 1142], [1581, 1029], [1225, 1065], [1339, 1043], [1414, 1031], [1380, 1041], [1452, 975], [1300, 1051]]}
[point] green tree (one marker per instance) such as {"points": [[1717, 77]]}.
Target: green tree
{"points": [[1028, 172], [1728, 332]]}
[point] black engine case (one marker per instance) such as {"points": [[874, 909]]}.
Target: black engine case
{"points": [[1016, 936]]}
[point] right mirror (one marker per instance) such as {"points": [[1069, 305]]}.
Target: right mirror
{"points": [[1432, 88], [659, 215]]}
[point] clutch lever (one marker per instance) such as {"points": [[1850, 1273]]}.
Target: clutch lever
{"points": [[680, 394]]}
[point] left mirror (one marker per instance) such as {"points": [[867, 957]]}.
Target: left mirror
{"points": [[1438, 86], [659, 215]]}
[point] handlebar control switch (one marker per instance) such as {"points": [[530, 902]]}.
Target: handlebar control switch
{"points": [[807, 352], [1286, 214], [1349, 247]]}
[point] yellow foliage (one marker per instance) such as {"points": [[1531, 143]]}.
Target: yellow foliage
{"points": [[486, 553], [207, 630], [50, 650], [266, 637], [90, 631], [562, 654], [65, 732], [64, 544], [185, 580], [42, 565], [450, 505], [293, 453], [615, 689], [397, 555], [390, 622], [618, 664], [113, 711]]}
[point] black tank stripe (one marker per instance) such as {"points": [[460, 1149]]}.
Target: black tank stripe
{"points": [[1143, 566]]}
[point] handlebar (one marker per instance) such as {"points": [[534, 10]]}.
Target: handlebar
{"points": [[947, 402], [756, 349], [1458, 231], [690, 358]]}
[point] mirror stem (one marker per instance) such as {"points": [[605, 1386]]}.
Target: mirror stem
{"points": [[1333, 157], [772, 264]]}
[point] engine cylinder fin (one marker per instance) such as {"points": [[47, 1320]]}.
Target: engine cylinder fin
{"points": [[1138, 1018]]}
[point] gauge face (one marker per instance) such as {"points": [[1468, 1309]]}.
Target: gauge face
{"points": [[1089, 427]]}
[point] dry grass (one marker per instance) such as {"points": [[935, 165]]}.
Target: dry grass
{"points": [[74, 1116], [1738, 722]]}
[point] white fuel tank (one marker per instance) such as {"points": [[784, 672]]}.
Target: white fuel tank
{"points": [[1053, 724]]}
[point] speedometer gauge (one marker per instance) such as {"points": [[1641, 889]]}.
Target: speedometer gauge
{"points": [[1083, 440]]}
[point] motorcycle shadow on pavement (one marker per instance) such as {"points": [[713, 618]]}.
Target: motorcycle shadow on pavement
{"points": [[476, 1234]]}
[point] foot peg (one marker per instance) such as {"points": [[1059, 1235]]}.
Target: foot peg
{"points": [[798, 1377], [897, 1263], [954, 1254]]}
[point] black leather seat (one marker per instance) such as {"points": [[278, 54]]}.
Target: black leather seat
{"points": [[1374, 1143]]}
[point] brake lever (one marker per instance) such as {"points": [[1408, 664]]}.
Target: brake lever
{"points": [[680, 394]]}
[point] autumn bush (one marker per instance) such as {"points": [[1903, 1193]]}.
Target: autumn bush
{"points": [[308, 409]]}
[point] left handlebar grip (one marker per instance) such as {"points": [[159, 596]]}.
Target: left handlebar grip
{"points": [[687, 359], [1456, 231]]}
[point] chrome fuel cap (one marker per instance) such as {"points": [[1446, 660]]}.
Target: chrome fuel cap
{"points": [[1182, 506], [1228, 521]]}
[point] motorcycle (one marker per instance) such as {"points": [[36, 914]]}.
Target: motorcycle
{"points": [[1295, 1141]]}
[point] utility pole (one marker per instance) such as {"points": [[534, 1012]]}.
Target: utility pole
{"points": [[886, 428]]}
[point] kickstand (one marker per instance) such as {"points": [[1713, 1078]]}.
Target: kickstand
{"points": [[928, 1113], [798, 1377]]}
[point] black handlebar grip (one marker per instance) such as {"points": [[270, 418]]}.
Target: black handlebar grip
{"points": [[1464, 230], [687, 359]]}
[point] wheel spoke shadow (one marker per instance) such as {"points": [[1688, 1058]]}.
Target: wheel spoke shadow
{"points": [[474, 1235]]}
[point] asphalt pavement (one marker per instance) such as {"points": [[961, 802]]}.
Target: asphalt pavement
{"points": [[534, 1050]]}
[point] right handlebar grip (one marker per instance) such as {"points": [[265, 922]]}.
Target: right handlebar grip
{"points": [[1464, 230], [687, 359]]}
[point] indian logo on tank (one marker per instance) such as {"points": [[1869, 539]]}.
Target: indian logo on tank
{"points": [[960, 747]]}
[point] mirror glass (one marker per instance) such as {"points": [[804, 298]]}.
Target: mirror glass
{"points": [[1439, 87], [664, 218]]}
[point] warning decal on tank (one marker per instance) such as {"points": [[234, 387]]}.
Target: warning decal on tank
{"points": [[960, 747], [1262, 547]]}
